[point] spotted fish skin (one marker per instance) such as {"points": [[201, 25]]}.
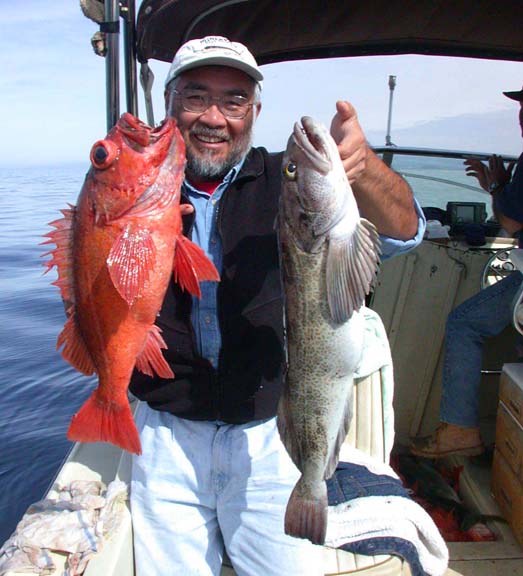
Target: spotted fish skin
{"points": [[329, 259]]}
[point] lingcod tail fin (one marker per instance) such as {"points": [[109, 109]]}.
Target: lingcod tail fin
{"points": [[102, 421], [306, 514]]}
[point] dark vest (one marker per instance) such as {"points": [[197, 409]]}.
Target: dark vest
{"points": [[246, 386]]}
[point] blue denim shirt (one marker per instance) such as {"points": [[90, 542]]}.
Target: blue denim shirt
{"points": [[204, 314]]}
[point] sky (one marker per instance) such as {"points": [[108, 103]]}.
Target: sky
{"points": [[53, 99]]}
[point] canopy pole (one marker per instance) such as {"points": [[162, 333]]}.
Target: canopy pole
{"points": [[112, 78], [129, 43], [147, 80], [388, 155], [392, 85]]}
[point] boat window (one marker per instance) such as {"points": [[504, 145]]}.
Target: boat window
{"points": [[436, 181]]}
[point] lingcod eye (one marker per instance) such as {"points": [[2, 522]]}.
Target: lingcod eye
{"points": [[103, 154], [290, 171]]}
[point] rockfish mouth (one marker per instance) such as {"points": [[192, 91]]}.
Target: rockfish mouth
{"points": [[134, 134]]}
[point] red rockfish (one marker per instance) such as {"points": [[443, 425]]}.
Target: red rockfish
{"points": [[115, 254]]}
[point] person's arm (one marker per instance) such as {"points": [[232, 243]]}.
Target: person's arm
{"points": [[508, 224], [383, 196]]}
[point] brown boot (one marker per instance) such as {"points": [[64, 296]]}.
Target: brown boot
{"points": [[447, 440]]}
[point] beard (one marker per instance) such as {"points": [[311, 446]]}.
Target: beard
{"points": [[203, 165]]}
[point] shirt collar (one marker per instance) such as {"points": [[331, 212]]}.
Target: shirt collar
{"points": [[228, 179]]}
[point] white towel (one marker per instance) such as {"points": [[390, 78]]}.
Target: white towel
{"points": [[386, 516], [389, 516]]}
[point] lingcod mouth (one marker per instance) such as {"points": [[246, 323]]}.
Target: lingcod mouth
{"points": [[309, 138]]}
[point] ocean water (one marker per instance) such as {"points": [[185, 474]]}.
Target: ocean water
{"points": [[39, 390], [436, 181]]}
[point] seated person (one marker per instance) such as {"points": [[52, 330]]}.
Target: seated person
{"points": [[484, 315]]}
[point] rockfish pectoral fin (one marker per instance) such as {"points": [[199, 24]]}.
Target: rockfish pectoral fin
{"points": [[100, 420], [191, 266], [352, 263], [130, 260], [151, 360], [74, 348]]}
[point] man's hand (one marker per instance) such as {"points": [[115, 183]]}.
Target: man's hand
{"points": [[186, 209], [383, 197], [348, 135]]}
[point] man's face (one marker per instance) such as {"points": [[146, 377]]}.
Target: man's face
{"points": [[214, 143]]}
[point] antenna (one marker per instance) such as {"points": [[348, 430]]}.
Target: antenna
{"points": [[392, 85]]}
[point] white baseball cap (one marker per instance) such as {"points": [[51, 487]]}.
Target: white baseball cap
{"points": [[213, 51]]}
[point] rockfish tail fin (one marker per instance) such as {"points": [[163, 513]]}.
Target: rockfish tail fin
{"points": [[306, 513], [151, 360], [99, 420], [352, 263], [191, 266]]}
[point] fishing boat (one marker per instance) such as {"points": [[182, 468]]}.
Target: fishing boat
{"points": [[415, 292]]}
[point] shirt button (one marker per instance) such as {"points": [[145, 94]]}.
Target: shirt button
{"points": [[213, 240], [207, 319]]}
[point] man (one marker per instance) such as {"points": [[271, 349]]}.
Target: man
{"points": [[213, 469], [484, 315]]}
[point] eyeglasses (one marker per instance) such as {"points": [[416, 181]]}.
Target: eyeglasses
{"points": [[234, 107]]}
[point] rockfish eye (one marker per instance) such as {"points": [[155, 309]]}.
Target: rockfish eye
{"points": [[103, 154], [290, 170]]}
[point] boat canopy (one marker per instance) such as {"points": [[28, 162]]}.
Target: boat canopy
{"points": [[281, 30]]}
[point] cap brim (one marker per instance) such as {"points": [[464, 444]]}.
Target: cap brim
{"points": [[515, 95], [223, 61]]}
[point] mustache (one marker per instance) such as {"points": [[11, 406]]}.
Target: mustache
{"points": [[211, 132]]}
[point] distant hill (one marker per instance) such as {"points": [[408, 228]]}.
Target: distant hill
{"points": [[496, 132]]}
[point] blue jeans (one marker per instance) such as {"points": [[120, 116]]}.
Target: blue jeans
{"points": [[201, 485], [483, 315]]}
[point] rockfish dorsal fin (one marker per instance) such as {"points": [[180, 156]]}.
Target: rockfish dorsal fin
{"points": [[61, 256], [130, 260], [191, 266], [151, 360], [352, 263]]}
